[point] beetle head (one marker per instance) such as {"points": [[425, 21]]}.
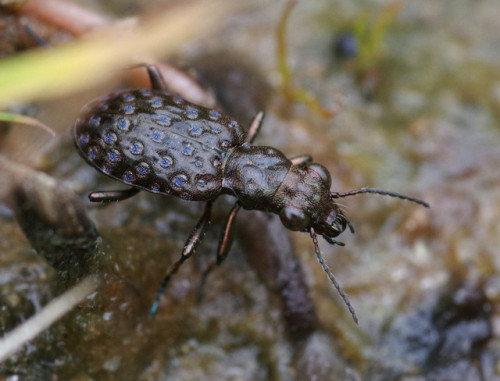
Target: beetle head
{"points": [[332, 224], [312, 208], [311, 205]]}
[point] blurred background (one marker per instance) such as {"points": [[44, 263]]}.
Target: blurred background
{"points": [[396, 95]]}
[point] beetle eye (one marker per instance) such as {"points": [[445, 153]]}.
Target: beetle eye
{"points": [[322, 172], [294, 219]]}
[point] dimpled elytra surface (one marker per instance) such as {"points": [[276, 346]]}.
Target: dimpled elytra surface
{"points": [[157, 142]]}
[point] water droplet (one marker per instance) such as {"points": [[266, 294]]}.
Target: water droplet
{"points": [[225, 144], [110, 137], [128, 97], [128, 109], [195, 131], [198, 163], [216, 163], [215, 129], [214, 115], [157, 136], [156, 102], [113, 156], [201, 183], [188, 150], [137, 148], [143, 169], [163, 120], [155, 188], [92, 153], [106, 169], [180, 180], [84, 139], [123, 124], [128, 177], [146, 92], [95, 121], [192, 113], [166, 161], [104, 107], [233, 124], [178, 100]]}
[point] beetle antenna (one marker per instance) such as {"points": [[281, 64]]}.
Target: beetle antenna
{"points": [[379, 191], [330, 275]]}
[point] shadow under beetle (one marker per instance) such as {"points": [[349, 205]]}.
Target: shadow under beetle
{"points": [[163, 144]]}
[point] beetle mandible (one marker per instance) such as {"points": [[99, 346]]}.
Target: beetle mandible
{"points": [[153, 141]]}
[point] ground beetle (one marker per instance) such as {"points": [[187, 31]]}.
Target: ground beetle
{"points": [[163, 144]]}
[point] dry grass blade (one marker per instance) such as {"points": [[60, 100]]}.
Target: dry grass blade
{"points": [[47, 73], [56, 309], [22, 119]]}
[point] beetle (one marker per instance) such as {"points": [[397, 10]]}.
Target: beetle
{"points": [[160, 143]]}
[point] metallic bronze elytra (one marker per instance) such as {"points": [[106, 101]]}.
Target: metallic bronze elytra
{"points": [[163, 144]]}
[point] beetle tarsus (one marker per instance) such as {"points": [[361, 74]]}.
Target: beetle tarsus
{"points": [[225, 242], [191, 244], [201, 286]]}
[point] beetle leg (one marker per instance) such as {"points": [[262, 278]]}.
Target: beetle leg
{"points": [[191, 244], [116, 195], [226, 239], [301, 160], [254, 128], [157, 81]]}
